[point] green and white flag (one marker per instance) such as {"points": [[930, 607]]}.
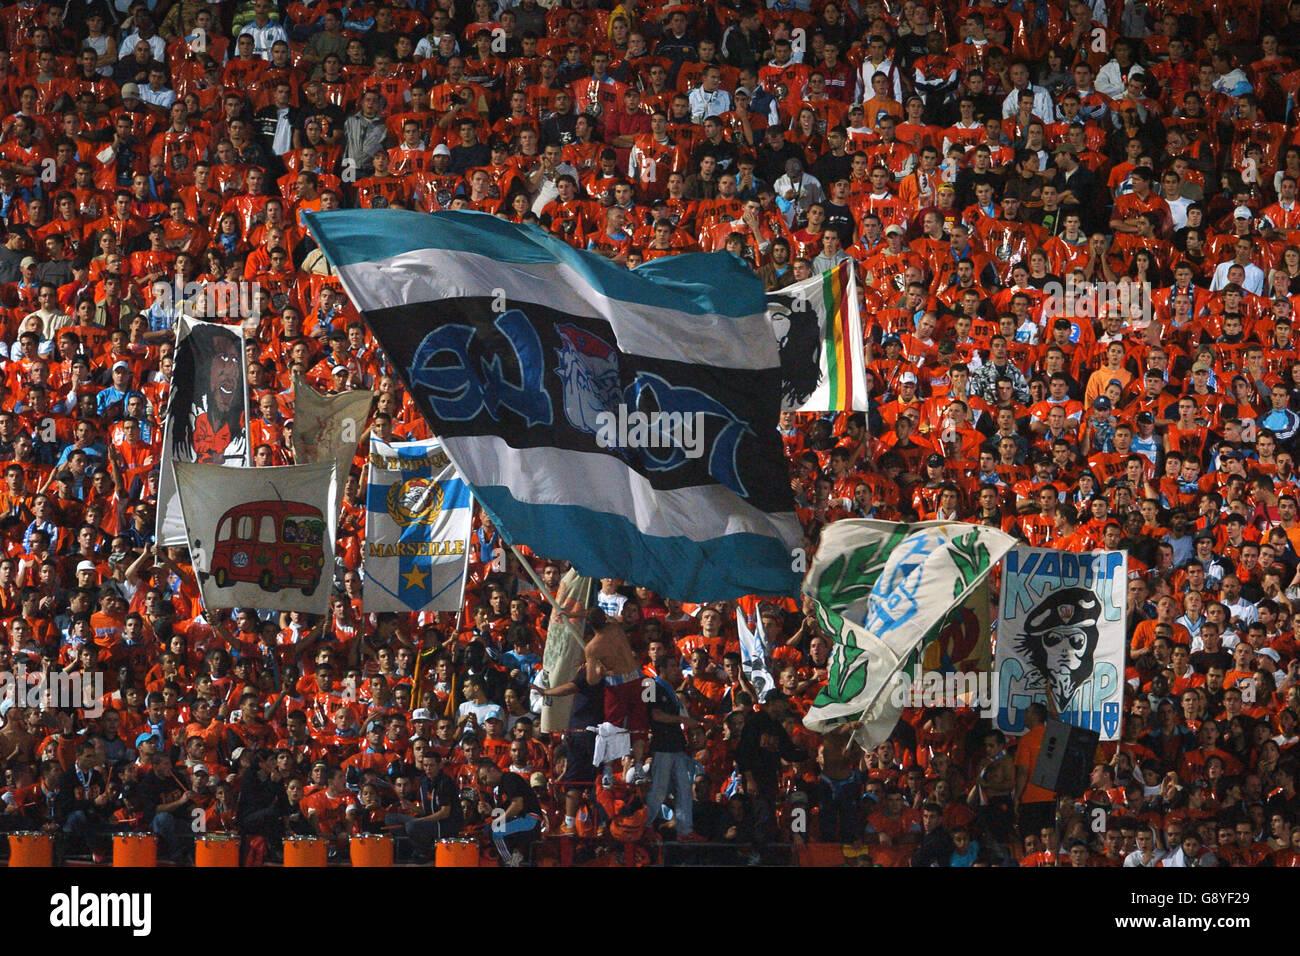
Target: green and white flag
{"points": [[878, 589]]}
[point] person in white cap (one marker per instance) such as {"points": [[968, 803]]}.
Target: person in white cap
{"points": [[117, 391], [87, 574]]}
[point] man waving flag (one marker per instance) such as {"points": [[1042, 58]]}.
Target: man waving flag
{"points": [[622, 420]]}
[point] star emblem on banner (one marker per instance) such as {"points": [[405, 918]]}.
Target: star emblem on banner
{"points": [[415, 579]]}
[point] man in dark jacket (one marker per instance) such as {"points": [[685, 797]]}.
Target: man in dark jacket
{"points": [[935, 848], [262, 806], [80, 805], [764, 743]]}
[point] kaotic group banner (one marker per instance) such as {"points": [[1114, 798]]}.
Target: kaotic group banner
{"points": [[328, 427], [207, 413], [1061, 632], [819, 332], [261, 537], [418, 517]]}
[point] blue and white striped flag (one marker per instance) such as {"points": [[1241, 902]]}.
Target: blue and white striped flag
{"points": [[622, 420], [418, 516]]}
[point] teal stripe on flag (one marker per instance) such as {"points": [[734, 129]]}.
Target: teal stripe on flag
{"points": [[608, 545], [715, 283]]}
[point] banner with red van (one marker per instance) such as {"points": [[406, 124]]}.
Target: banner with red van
{"points": [[262, 537]]}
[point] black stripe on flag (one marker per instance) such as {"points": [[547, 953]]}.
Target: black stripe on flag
{"points": [[537, 377]]}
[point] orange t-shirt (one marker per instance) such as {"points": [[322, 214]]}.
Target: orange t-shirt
{"points": [[714, 645], [1026, 756], [331, 812], [107, 630]]}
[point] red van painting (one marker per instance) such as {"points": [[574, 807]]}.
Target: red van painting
{"points": [[274, 544]]}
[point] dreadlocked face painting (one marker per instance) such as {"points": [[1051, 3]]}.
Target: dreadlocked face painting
{"points": [[208, 389], [799, 335]]}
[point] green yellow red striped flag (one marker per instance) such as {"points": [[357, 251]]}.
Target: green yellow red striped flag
{"points": [[819, 328]]}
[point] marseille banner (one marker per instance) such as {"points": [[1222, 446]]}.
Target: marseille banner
{"points": [[261, 537], [878, 589], [624, 421], [207, 412], [819, 331], [418, 517], [563, 653], [1061, 630], [328, 427]]}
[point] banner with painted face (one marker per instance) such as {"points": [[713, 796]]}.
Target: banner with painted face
{"points": [[207, 413], [1060, 638], [819, 333]]}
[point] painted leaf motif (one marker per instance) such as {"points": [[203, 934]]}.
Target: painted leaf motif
{"points": [[846, 677], [971, 558], [850, 577]]}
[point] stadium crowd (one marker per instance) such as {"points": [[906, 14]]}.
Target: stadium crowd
{"points": [[1077, 242]]}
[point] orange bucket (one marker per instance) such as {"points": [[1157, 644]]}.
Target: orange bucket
{"points": [[455, 853], [305, 851], [372, 850], [135, 849], [29, 848], [216, 851]]}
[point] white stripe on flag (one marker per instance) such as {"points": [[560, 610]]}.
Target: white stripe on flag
{"points": [[599, 482], [427, 275]]}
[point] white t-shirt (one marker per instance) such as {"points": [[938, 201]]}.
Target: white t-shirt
{"points": [[481, 712], [611, 604]]}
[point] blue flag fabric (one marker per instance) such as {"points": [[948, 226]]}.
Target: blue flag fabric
{"points": [[622, 420]]}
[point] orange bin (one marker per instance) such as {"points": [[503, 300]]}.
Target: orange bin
{"points": [[455, 853], [30, 849], [135, 850], [372, 850], [216, 851], [305, 851]]}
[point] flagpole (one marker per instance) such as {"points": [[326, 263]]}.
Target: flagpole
{"points": [[419, 672], [449, 709], [536, 580]]}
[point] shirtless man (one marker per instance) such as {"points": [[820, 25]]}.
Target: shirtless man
{"points": [[20, 735], [995, 787], [610, 656]]}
